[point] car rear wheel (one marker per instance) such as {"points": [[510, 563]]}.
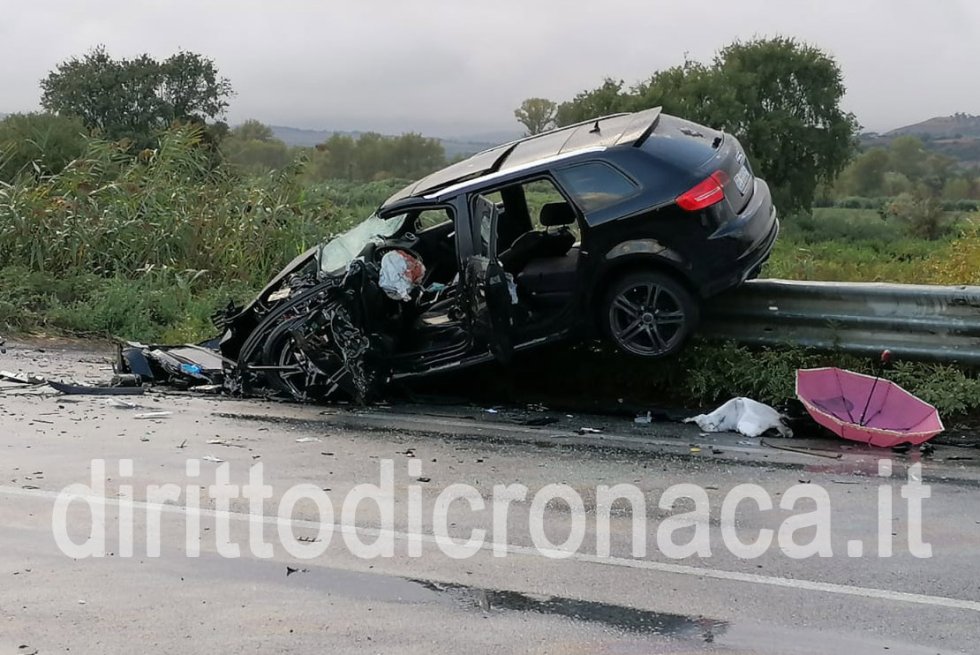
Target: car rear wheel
{"points": [[649, 314]]}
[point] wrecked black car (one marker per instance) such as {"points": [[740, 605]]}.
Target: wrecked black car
{"points": [[617, 227]]}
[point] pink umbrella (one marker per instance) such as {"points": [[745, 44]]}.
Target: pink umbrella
{"points": [[865, 408]]}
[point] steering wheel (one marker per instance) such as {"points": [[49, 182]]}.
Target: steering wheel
{"points": [[406, 242]]}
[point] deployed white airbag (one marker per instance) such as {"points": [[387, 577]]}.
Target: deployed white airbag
{"points": [[400, 273]]}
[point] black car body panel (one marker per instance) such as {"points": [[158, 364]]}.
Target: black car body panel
{"points": [[619, 225]]}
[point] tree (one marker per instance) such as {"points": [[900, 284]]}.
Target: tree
{"points": [[782, 100], [373, 156], [254, 149], [865, 175], [779, 97], [607, 99], [253, 130], [908, 157], [690, 91], [536, 114], [135, 98], [38, 144]]}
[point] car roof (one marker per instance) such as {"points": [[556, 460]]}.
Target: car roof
{"points": [[594, 134]]}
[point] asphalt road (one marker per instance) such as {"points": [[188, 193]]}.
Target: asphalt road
{"points": [[523, 598]]}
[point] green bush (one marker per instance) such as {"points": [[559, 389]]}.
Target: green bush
{"points": [[705, 374], [38, 144], [161, 305], [844, 225]]}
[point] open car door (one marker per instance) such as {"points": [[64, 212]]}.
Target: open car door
{"points": [[486, 293]]}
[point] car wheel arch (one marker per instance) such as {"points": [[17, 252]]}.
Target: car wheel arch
{"points": [[624, 266]]}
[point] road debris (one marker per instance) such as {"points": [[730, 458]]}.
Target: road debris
{"points": [[126, 380], [589, 431], [803, 451], [644, 420], [82, 390], [21, 378], [118, 403], [153, 415], [539, 421], [213, 459], [745, 416]]}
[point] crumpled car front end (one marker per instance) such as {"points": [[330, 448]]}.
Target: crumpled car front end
{"points": [[313, 333]]}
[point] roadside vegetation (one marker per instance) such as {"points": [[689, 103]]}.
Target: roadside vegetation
{"points": [[143, 230]]}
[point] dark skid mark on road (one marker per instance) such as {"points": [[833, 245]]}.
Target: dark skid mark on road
{"points": [[379, 587], [622, 618]]}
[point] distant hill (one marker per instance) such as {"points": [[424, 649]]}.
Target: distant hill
{"points": [[956, 136], [295, 136], [957, 126]]}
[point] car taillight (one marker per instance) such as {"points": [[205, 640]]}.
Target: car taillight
{"points": [[705, 194]]}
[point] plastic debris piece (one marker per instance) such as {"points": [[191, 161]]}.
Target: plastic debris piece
{"points": [[743, 415], [212, 458], [153, 415], [589, 431], [118, 403], [190, 369], [79, 390], [25, 378], [644, 420], [126, 380], [307, 440], [436, 287], [401, 272]]}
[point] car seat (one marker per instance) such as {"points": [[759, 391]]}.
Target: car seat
{"points": [[555, 240]]}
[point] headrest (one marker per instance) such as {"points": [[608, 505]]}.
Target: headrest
{"points": [[557, 213]]}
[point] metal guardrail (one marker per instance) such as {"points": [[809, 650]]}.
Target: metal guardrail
{"points": [[917, 322]]}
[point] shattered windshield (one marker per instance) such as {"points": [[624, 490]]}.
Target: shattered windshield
{"points": [[337, 253]]}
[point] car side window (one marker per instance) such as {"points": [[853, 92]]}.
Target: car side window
{"points": [[596, 185], [538, 194], [485, 210], [431, 218]]}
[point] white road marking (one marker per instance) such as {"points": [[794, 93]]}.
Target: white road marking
{"points": [[646, 565]]}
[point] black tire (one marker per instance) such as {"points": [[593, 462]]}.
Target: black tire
{"points": [[321, 380], [649, 314]]}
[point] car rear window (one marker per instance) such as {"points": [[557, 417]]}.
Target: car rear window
{"points": [[596, 185]]}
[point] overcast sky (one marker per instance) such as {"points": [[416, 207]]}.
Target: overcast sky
{"points": [[455, 67]]}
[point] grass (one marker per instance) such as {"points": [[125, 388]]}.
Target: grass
{"points": [[858, 245], [147, 247]]}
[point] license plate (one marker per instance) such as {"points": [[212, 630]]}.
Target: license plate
{"points": [[742, 179]]}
